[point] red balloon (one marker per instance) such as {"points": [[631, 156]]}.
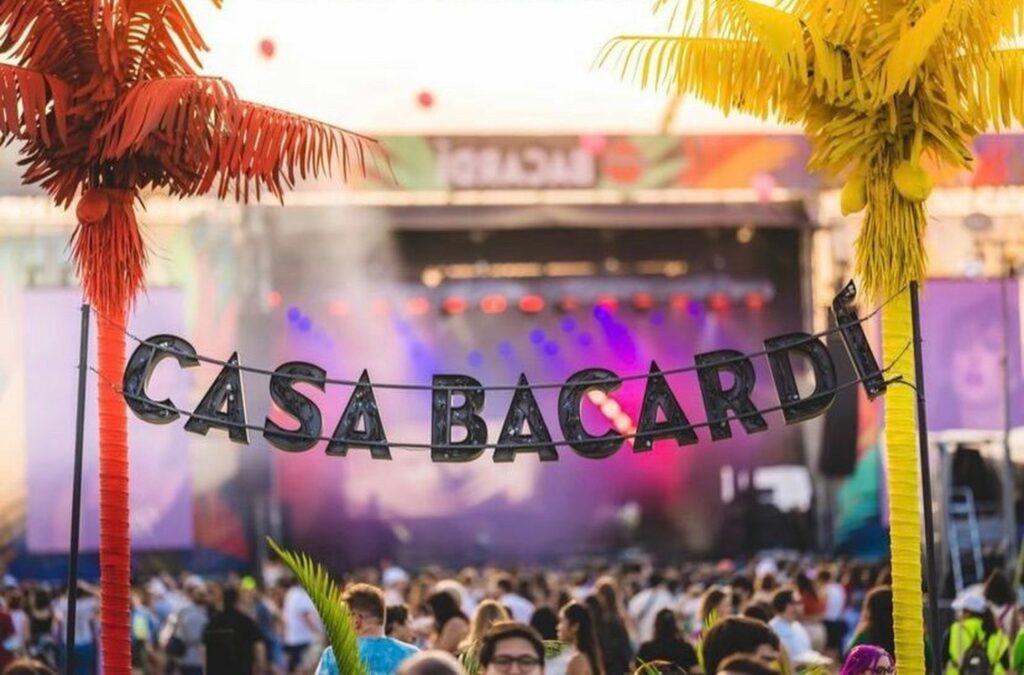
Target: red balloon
{"points": [[267, 48], [425, 99]]}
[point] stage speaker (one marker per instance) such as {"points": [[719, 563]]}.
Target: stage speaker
{"points": [[839, 446]]}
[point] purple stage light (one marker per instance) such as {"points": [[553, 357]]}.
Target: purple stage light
{"points": [[305, 324], [550, 347], [568, 324], [584, 339], [537, 336], [505, 348], [475, 359], [658, 317], [294, 314]]}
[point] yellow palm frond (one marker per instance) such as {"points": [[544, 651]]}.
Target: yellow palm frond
{"points": [[903, 64], [734, 75], [994, 89]]}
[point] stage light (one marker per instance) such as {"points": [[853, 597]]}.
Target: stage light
{"points": [[657, 317], [550, 347], [537, 336], [584, 339], [454, 305], [505, 348], [622, 424], [475, 359], [568, 304], [609, 302], [305, 324], [294, 314], [718, 302], [754, 300], [274, 299], [493, 304], [610, 408], [531, 304], [745, 234], [679, 301], [417, 306], [596, 396], [642, 302], [432, 277], [338, 308], [676, 268], [568, 324], [694, 308]]}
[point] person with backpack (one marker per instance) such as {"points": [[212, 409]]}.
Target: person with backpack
{"points": [[974, 645]]}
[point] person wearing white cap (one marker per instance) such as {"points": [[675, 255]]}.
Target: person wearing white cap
{"points": [[974, 643], [395, 581]]}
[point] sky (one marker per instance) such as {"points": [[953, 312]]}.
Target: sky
{"points": [[490, 65]]}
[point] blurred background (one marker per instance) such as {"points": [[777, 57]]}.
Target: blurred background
{"points": [[544, 217]]}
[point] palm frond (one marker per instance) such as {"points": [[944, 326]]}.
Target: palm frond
{"points": [[734, 75], [994, 88], [326, 597], [161, 39], [49, 35], [33, 106], [903, 64], [267, 148]]}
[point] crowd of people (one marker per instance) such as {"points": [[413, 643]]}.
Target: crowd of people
{"points": [[767, 616]]}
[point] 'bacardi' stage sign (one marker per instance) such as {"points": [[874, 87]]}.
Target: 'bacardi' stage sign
{"points": [[525, 429]]}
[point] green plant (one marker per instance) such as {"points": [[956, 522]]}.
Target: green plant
{"points": [[327, 598]]}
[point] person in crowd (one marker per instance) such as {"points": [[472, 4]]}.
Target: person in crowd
{"points": [[189, 622], [545, 622], [234, 643], [1003, 601], [616, 645], [577, 629], [742, 592], [668, 643], [19, 617], [451, 626], [301, 624], [786, 605], [144, 629], [868, 660], [646, 604], [519, 607], [766, 587], [759, 611], [28, 667], [382, 654], [740, 635], [715, 605], [812, 604], [397, 624], [875, 627], [488, 613], [431, 662], [512, 647], [975, 643], [86, 611], [396, 583], [834, 596], [744, 665], [8, 637], [41, 626]]}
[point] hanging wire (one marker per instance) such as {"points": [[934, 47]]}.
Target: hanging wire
{"points": [[510, 387]]}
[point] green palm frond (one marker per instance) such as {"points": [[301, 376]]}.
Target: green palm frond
{"points": [[327, 598], [734, 75]]}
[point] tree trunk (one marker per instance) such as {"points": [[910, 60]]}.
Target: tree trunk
{"points": [[110, 256], [904, 485], [115, 547]]}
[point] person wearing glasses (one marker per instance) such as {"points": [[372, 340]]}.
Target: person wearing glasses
{"points": [[868, 660], [382, 654], [511, 648]]}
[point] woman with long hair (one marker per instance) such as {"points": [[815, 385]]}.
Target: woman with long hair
{"points": [[1003, 601], [668, 643], [875, 627], [487, 613], [451, 626], [616, 646], [814, 604], [576, 628], [715, 605], [868, 660]]}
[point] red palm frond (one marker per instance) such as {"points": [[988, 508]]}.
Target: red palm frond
{"points": [[162, 40], [50, 35], [33, 106]]}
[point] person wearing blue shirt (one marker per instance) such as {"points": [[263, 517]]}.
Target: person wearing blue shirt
{"points": [[381, 654]]}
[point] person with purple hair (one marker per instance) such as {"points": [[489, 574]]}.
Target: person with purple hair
{"points": [[868, 660]]}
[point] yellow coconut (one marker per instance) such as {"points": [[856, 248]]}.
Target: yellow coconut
{"points": [[911, 181], [855, 194]]}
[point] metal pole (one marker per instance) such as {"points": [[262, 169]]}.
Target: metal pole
{"points": [[76, 497], [935, 637], [1009, 498]]}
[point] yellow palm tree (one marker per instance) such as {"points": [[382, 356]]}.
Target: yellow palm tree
{"points": [[875, 84]]}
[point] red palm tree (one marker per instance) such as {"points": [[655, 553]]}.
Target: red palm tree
{"points": [[106, 99]]}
